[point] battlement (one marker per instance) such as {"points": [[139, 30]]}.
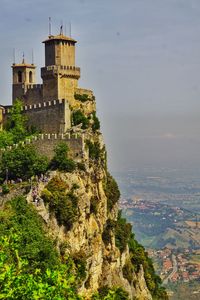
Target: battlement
{"points": [[68, 71], [46, 143], [34, 86], [42, 105]]}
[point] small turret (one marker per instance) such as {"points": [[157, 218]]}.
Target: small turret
{"points": [[23, 76]]}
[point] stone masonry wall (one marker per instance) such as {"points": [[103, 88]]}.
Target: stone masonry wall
{"points": [[48, 117], [46, 143]]}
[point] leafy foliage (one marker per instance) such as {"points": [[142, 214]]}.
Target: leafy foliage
{"points": [[62, 203], [128, 271], [78, 117], [61, 161], [82, 97], [96, 124], [94, 149], [109, 227], [105, 293], [16, 123], [79, 260], [29, 265], [112, 191], [94, 205], [22, 162], [32, 244], [6, 138]]}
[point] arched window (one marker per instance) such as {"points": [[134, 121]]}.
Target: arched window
{"points": [[30, 77], [19, 75]]}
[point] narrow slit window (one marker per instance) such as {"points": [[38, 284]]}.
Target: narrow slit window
{"points": [[19, 76], [30, 77]]}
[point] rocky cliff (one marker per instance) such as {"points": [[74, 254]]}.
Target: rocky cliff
{"points": [[89, 235], [78, 201]]}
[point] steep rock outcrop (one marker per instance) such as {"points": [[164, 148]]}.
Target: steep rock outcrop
{"points": [[104, 262]]}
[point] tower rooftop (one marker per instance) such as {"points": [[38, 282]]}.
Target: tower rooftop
{"points": [[23, 65], [59, 37]]}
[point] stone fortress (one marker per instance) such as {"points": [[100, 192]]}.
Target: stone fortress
{"points": [[49, 106]]}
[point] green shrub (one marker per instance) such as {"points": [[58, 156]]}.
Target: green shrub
{"points": [[122, 233], [22, 162], [78, 117], [81, 97], [81, 166], [112, 191], [62, 203], [94, 150], [30, 267], [94, 205], [109, 227], [106, 293], [5, 189], [96, 124], [60, 160], [79, 259], [26, 223], [128, 271], [16, 122]]}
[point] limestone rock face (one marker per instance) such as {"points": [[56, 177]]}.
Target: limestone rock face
{"points": [[104, 262]]}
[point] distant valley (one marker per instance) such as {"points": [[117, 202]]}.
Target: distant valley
{"points": [[163, 206]]}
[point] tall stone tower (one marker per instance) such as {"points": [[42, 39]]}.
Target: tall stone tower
{"points": [[23, 77], [60, 75]]}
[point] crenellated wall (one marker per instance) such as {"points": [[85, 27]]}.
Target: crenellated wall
{"points": [[28, 93], [48, 117], [46, 143]]}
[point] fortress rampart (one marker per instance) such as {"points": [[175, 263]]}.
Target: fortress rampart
{"points": [[46, 143], [48, 117]]}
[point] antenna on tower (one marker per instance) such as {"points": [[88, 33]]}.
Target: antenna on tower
{"points": [[13, 56], [23, 58], [70, 29], [49, 26], [32, 56], [61, 28]]}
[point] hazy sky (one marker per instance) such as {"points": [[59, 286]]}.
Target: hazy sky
{"points": [[141, 58]]}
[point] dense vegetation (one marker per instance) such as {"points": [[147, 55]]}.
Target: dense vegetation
{"points": [[94, 150], [62, 202], [112, 191], [96, 122], [22, 162], [60, 160], [30, 267], [16, 128], [83, 97], [79, 118]]}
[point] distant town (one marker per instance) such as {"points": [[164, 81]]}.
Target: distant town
{"points": [[165, 219]]}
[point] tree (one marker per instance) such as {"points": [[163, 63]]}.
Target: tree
{"points": [[60, 160], [30, 266], [16, 123], [22, 162], [78, 117]]}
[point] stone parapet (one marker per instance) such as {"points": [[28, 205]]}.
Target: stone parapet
{"points": [[42, 105], [46, 143], [68, 71]]}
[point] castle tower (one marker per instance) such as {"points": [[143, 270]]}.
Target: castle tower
{"points": [[60, 75], [23, 77]]}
